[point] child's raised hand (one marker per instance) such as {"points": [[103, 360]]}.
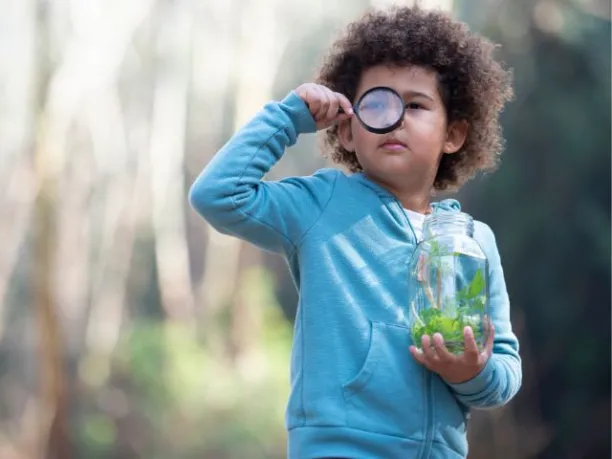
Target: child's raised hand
{"points": [[454, 369], [324, 104]]}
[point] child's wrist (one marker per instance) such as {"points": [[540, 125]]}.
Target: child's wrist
{"points": [[298, 113]]}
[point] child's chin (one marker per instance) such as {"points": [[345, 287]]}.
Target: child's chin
{"points": [[394, 166], [390, 169]]}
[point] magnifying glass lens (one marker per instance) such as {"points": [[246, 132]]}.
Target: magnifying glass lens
{"points": [[380, 109]]}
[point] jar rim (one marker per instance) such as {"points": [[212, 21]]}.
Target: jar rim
{"points": [[462, 221], [446, 216]]}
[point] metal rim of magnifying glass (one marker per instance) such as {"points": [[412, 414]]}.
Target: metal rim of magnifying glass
{"points": [[388, 129]]}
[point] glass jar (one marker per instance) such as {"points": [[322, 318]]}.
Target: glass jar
{"points": [[449, 282]]}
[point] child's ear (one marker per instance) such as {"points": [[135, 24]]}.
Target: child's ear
{"points": [[455, 136], [345, 134]]}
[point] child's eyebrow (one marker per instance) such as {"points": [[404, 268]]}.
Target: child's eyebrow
{"points": [[417, 94]]}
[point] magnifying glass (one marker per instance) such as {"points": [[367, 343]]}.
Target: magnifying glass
{"points": [[380, 110]]}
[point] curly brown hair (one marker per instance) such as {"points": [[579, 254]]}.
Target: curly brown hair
{"points": [[473, 86]]}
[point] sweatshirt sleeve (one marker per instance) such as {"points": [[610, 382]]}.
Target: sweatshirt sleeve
{"points": [[500, 379], [231, 195]]}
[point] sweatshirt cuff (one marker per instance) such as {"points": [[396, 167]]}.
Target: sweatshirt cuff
{"points": [[478, 383], [299, 113]]}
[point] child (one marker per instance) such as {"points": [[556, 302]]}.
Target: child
{"points": [[359, 387]]}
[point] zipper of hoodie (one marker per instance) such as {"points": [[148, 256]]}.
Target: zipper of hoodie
{"points": [[429, 422], [403, 212], [429, 414]]}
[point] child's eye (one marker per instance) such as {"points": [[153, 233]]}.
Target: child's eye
{"points": [[414, 106], [374, 106]]}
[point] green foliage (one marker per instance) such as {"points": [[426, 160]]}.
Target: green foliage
{"points": [[437, 256], [451, 328], [98, 432], [187, 401], [467, 309], [470, 296]]}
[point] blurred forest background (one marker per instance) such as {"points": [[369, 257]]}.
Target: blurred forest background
{"points": [[130, 329]]}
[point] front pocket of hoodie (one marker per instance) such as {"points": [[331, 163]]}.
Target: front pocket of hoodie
{"points": [[451, 418], [387, 394]]}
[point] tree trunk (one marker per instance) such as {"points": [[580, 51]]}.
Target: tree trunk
{"points": [[167, 159], [54, 438]]}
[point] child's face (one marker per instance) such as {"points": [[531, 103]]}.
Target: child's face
{"points": [[409, 156]]}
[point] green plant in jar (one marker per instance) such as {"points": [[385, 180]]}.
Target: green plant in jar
{"points": [[448, 278]]}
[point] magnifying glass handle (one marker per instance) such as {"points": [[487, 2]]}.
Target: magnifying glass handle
{"points": [[341, 110]]}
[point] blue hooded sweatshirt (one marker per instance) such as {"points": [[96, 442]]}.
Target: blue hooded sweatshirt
{"points": [[356, 392]]}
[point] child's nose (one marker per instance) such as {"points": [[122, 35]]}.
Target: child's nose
{"points": [[403, 122]]}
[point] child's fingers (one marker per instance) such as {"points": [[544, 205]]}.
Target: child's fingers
{"points": [[428, 350], [345, 104], [418, 355], [490, 340], [324, 102], [470, 347], [315, 99], [312, 99], [440, 348], [334, 106]]}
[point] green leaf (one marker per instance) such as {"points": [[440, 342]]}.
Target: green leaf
{"points": [[451, 328], [477, 284], [479, 304], [430, 314]]}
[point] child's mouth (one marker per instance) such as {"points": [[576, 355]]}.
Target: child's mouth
{"points": [[393, 146]]}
